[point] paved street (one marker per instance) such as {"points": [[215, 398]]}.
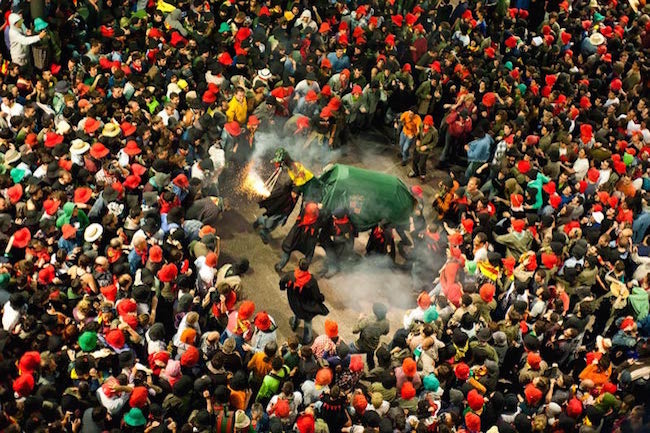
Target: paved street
{"points": [[347, 294]]}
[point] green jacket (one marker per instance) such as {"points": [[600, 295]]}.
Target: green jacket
{"points": [[271, 384]]}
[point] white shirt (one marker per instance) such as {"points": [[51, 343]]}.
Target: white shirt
{"points": [[10, 317], [15, 110]]}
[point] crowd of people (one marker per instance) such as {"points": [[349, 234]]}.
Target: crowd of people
{"points": [[124, 124]]}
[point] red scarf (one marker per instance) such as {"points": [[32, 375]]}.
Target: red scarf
{"points": [[301, 278], [339, 222]]}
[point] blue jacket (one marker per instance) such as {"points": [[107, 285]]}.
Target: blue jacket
{"points": [[479, 149], [338, 64]]}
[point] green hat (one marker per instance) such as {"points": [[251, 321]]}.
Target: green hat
{"points": [[431, 383], [508, 65], [470, 267], [134, 418], [88, 341], [627, 159], [124, 22], [522, 88], [17, 174], [431, 314], [224, 27], [142, 13], [40, 24], [280, 155], [598, 17]]}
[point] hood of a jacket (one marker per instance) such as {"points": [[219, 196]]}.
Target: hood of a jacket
{"points": [[14, 18]]}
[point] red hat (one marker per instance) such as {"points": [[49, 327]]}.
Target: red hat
{"points": [[408, 391], [126, 306], [586, 24], [233, 128], [475, 400], [264, 12], [132, 148], [523, 166], [531, 263], [331, 328], [593, 175], [549, 39], [91, 125], [47, 274], [628, 324], [397, 20], [468, 224], [608, 387], [326, 64], [358, 32], [128, 128], [409, 367], [14, 193], [190, 357], [281, 408], [511, 42], [24, 385], [533, 395], [356, 363], [461, 371], [82, 194], [489, 99], [509, 263], [418, 28], [168, 273], [22, 238], [390, 40], [326, 90], [561, 99], [138, 169], [585, 102], [455, 239], [181, 181], [534, 360], [473, 422], [550, 80], [109, 292], [69, 231], [225, 59], [620, 167], [324, 27], [262, 321], [546, 30], [177, 39], [302, 123], [334, 104], [486, 292], [343, 39], [574, 408], [406, 67], [311, 96], [616, 84], [246, 310], [98, 150], [326, 113], [115, 338], [428, 120], [490, 52], [549, 187], [566, 37], [55, 69], [586, 131], [155, 254], [518, 225], [29, 362], [356, 90], [139, 397], [532, 140], [360, 403], [209, 97], [323, 376], [410, 19], [52, 139], [607, 58], [516, 200], [549, 260], [132, 181], [424, 300], [31, 139], [211, 259]]}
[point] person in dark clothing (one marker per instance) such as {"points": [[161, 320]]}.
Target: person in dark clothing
{"points": [[279, 206], [303, 236], [381, 241], [305, 298], [337, 237]]}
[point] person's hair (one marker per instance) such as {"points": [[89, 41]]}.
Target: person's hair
{"points": [[270, 349], [277, 363]]}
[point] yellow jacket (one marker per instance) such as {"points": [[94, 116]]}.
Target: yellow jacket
{"points": [[237, 111]]}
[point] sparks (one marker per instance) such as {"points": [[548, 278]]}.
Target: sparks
{"points": [[253, 185]]}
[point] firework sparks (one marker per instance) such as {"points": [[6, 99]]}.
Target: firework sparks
{"points": [[253, 185]]}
